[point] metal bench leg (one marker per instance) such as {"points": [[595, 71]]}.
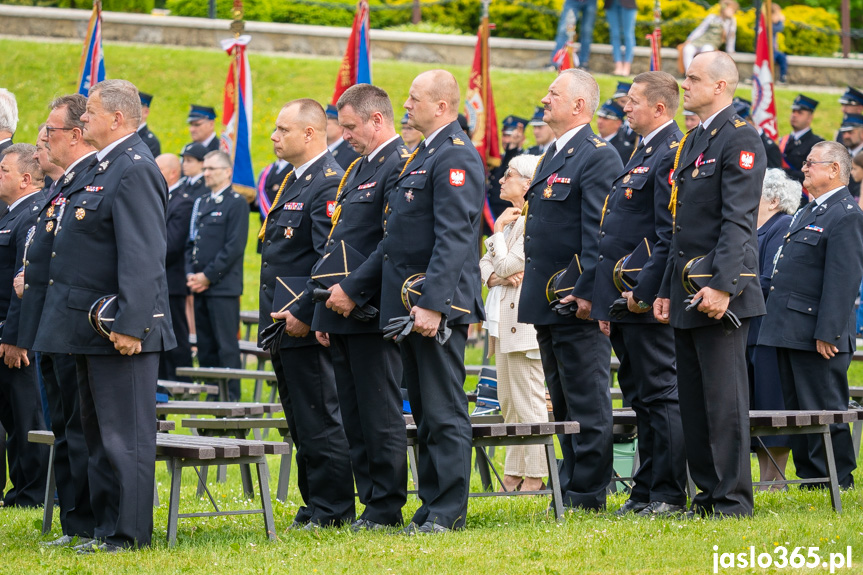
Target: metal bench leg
{"points": [[855, 437], [256, 396], [412, 465], [202, 480], [554, 480], [835, 498], [482, 468], [174, 501], [246, 476], [155, 495], [285, 473], [266, 503], [221, 473], [50, 489]]}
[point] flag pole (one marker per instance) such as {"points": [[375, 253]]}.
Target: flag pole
{"points": [[768, 25], [237, 27], [483, 26]]}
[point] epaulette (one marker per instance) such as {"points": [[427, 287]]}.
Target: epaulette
{"points": [[133, 154], [598, 142], [457, 141], [235, 194], [673, 145], [329, 172], [403, 152], [737, 121]]}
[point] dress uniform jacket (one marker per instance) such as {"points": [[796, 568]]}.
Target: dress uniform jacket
{"points": [[221, 228], [271, 183], [817, 278], [179, 215], [124, 193], [565, 202], [150, 139], [360, 225], [496, 204], [622, 144], [296, 237], [344, 154], [433, 228], [774, 154], [195, 189], [504, 256], [637, 208], [794, 151], [724, 171]]}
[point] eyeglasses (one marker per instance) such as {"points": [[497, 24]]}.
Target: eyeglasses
{"points": [[213, 169], [48, 130], [509, 174], [810, 163]]}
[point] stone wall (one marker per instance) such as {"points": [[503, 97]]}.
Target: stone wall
{"points": [[20, 21]]}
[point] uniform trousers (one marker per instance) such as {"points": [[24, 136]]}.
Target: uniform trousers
{"points": [[810, 382], [521, 391], [70, 447], [576, 359], [435, 374], [217, 323], [118, 412], [368, 373], [307, 389], [648, 380], [713, 386], [20, 412], [180, 356]]}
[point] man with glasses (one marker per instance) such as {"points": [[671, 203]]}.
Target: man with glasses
{"points": [[202, 122], [810, 309], [67, 151], [214, 267]]}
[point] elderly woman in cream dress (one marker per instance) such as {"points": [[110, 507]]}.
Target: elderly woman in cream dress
{"points": [[520, 379]]}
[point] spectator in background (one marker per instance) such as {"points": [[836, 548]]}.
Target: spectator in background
{"points": [[584, 11], [778, 19], [621, 20], [512, 141], [690, 120], [8, 118], [852, 137], [411, 136], [715, 30], [541, 133], [520, 379], [857, 171], [743, 107], [780, 196], [851, 102], [609, 124]]}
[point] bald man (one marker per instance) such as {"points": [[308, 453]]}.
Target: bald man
{"points": [[181, 199], [432, 228], [714, 202]]}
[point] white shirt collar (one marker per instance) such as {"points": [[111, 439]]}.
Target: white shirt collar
{"points": [[434, 134], [610, 138], [800, 134], [280, 165], [335, 144], [5, 140], [176, 185], [143, 125], [206, 142], [19, 200], [220, 192], [563, 140], [823, 198], [707, 122], [100, 155], [301, 170], [78, 161], [193, 179], [856, 150], [381, 147], [652, 134]]}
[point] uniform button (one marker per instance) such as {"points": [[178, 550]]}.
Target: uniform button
{"points": [[532, 194], [679, 203], [734, 282], [53, 254], [781, 256], [449, 301], [266, 264], [602, 234], [26, 286], [385, 234], [50, 282], [386, 257], [264, 287], [527, 260], [512, 330], [771, 288], [837, 337], [677, 228], [600, 258], [527, 238], [269, 242], [146, 330], [331, 242], [39, 219], [810, 309], [680, 254], [511, 305], [530, 216]]}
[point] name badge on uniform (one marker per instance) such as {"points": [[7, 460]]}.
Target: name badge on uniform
{"points": [[294, 206]]}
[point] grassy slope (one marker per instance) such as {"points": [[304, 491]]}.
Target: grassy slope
{"points": [[505, 535]]}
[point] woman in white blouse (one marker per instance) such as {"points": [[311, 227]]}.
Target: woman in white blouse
{"points": [[520, 379]]}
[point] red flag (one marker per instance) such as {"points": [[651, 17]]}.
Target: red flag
{"points": [[356, 64], [763, 100], [479, 102], [565, 58]]}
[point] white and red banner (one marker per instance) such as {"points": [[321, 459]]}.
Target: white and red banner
{"points": [[763, 95]]}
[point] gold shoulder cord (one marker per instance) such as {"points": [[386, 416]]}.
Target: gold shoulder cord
{"points": [[338, 211], [410, 158], [672, 205], [275, 202], [604, 207]]}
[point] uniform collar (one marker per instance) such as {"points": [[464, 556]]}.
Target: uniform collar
{"points": [[381, 147], [301, 170], [564, 139], [101, 154], [78, 161], [653, 134], [17, 202]]}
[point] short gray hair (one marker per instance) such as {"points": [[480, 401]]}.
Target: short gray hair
{"points": [[8, 111], [120, 96], [525, 165], [836, 152], [224, 158], [778, 186], [583, 85], [75, 105], [26, 162]]}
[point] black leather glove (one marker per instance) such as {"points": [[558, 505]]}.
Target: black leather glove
{"points": [[271, 336], [618, 310]]}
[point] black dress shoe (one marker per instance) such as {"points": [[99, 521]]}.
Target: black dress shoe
{"points": [[295, 525], [366, 525], [631, 506], [661, 509], [431, 528], [66, 540]]}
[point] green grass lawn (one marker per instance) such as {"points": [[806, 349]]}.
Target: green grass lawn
{"points": [[503, 535]]}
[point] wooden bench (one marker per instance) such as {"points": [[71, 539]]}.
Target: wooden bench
{"points": [[221, 375], [217, 408], [181, 451], [240, 428], [769, 423], [503, 434], [181, 390], [47, 438], [249, 318], [250, 349]]}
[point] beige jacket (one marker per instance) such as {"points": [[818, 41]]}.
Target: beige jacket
{"points": [[505, 256]]}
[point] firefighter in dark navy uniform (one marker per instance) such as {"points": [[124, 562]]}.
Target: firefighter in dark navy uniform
{"points": [[144, 132], [338, 147]]}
